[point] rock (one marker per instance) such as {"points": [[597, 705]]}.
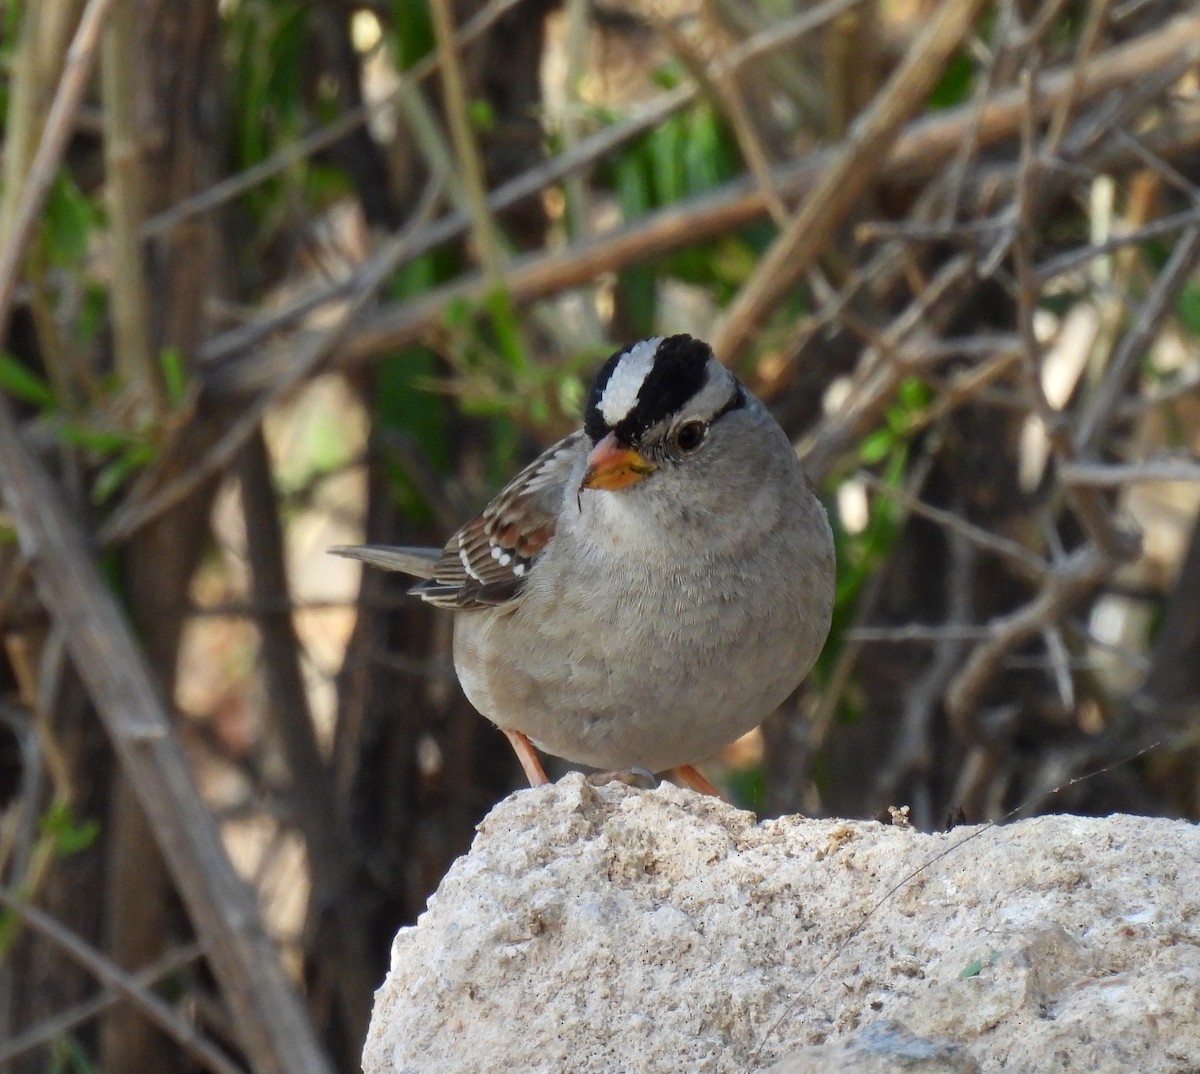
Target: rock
{"points": [[880, 1048], [610, 929]]}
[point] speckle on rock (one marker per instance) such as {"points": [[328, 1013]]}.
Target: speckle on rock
{"points": [[613, 929]]}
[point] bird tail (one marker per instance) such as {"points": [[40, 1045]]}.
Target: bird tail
{"points": [[418, 562]]}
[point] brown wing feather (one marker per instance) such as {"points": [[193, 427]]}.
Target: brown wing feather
{"points": [[487, 562]]}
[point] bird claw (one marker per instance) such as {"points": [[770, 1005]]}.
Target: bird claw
{"points": [[631, 777]]}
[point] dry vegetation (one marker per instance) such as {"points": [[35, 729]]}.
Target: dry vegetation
{"points": [[276, 274]]}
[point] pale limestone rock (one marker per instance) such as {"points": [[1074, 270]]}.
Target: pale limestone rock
{"points": [[618, 930]]}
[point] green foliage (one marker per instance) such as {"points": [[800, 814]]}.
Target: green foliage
{"points": [[274, 101], [20, 383], [174, 376], [859, 555], [954, 87], [67, 1056], [686, 155], [61, 835], [412, 32], [403, 405], [117, 454], [886, 449], [482, 114], [1187, 308], [69, 835], [69, 219]]}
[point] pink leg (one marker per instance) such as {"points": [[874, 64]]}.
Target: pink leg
{"points": [[692, 777], [529, 760]]}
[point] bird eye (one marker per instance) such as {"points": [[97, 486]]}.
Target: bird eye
{"points": [[690, 435]]}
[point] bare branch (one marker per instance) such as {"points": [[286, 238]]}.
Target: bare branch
{"points": [[126, 985], [276, 1033], [80, 60], [853, 169]]}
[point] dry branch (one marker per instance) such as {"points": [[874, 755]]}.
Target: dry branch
{"points": [[272, 1023], [67, 1020], [241, 366], [859, 161], [80, 60], [109, 974], [1068, 584], [238, 341]]}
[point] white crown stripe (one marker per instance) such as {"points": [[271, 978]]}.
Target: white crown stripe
{"points": [[621, 392]]}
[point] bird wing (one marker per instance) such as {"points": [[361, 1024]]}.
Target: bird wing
{"points": [[487, 562]]}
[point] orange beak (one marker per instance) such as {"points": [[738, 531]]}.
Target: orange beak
{"points": [[611, 466]]}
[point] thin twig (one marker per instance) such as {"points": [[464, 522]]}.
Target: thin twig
{"points": [[291, 155], [911, 751], [923, 149], [133, 515], [1159, 303], [725, 97], [81, 58], [466, 149], [109, 974], [123, 188], [1028, 562], [1073, 259], [62, 1023], [1088, 40], [274, 1030], [1117, 475], [856, 166], [329, 848], [1093, 513], [526, 185], [1082, 572]]}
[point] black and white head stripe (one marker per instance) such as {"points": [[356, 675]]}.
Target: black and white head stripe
{"points": [[643, 384]]}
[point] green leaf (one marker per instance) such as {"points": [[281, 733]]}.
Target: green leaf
{"points": [[666, 161], [667, 75], [504, 324], [136, 456], [102, 442], [877, 446], [413, 38], [93, 312], [954, 87], [67, 1056], [70, 836], [482, 115], [637, 286], [1187, 308], [571, 393], [971, 969], [68, 221], [632, 186], [20, 383], [174, 376], [913, 394]]}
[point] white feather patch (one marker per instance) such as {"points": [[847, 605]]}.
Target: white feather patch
{"points": [[621, 392], [466, 563]]}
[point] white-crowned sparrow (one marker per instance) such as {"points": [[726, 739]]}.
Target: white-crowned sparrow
{"points": [[649, 588]]}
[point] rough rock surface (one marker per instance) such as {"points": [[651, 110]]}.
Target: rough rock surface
{"points": [[617, 930]]}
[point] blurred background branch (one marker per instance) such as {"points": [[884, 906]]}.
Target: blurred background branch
{"points": [[279, 275]]}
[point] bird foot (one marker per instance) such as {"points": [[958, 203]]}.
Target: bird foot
{"points": [[690, 776], [530, 764], [631, 777]]}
